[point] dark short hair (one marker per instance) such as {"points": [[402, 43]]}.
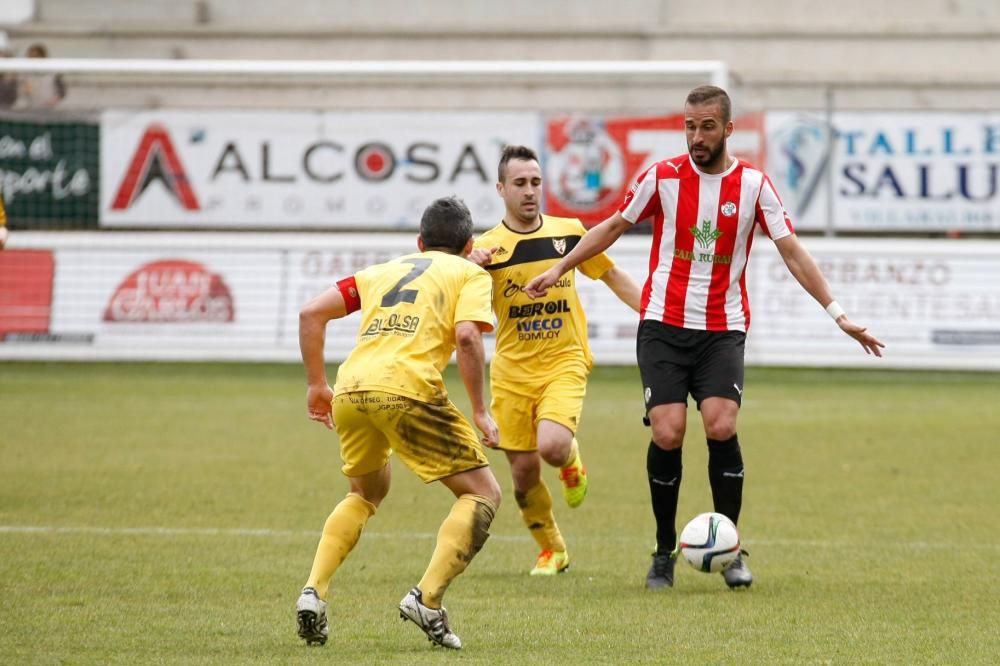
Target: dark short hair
{"points": [[446, 225], [707, 94], [513, 153]]}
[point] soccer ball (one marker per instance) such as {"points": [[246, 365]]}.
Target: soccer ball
{"points": [[710, 542]]}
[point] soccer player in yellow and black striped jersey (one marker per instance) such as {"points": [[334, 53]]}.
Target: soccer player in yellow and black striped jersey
{"points": [[539, 371], [3, 225], [389, 396]]}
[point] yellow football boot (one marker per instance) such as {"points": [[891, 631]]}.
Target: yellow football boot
{"points": [[550, 563], [574, 481]]}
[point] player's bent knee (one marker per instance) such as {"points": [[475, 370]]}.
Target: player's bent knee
{"points": [[490, 489], [720, 429], [668, 423], [479, 481], [372, 488], [555, 452], [525, 468], [668, 437], [719, 417], [554, 441]]}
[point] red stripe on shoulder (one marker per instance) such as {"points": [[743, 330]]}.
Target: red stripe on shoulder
{"points": [[349, 290], [675, 167]]}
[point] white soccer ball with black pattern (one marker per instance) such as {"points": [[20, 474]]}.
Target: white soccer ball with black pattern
{"points": [[710, 542]]}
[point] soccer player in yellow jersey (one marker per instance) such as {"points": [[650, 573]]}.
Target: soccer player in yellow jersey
{"points": [[3, 225], [390, 396], [539, 371]]}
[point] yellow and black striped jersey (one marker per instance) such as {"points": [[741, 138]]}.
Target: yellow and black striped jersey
{"points": [[537, 337]]}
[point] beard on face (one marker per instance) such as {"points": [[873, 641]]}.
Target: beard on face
{"points": [[714, 154]]}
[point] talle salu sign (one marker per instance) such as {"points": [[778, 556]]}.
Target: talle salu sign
{"points": [[900, 171]]}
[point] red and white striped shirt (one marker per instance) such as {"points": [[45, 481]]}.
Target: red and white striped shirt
{"points": [[702, 231]]}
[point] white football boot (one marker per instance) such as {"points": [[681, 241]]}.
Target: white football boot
{"points": [[737, 574], [433, 621], [310, 611]]}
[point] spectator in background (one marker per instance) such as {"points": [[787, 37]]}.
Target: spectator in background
{"points": [[8, 80], [40, 91]]}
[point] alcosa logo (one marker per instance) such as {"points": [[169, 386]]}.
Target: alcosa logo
{"points": [[155, 159]]}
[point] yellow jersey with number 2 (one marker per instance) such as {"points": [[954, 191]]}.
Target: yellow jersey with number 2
{"points": [[409, 309]]}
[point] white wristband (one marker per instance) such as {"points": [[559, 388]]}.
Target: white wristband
{"points": [[834, 310]]}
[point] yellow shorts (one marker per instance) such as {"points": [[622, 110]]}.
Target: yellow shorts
{"points": [[435, 441], [518, 407]]}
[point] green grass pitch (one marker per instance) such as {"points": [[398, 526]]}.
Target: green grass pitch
{"points": [[168, 513]]}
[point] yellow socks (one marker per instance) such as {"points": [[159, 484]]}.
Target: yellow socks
{"points": [[574, 478], [574, 454], [340, 534], [462, 534], [536, 512]]}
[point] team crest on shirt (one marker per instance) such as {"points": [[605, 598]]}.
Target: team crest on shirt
{"points": [[560, 245], [728, 209]]}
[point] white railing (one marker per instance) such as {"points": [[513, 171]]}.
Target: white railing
{"points": [[717, 70]]}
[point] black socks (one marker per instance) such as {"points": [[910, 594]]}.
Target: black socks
{"points": [[664, 471], [725, 474]]}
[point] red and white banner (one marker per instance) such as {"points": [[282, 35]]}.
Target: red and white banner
{"points": [[592, 161], [300, 169], [26, 278], [171, 291]]}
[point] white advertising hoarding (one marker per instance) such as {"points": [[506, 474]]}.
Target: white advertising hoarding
{"points": [[887, 171], [936, 304], [367, 170], [142, 298]]}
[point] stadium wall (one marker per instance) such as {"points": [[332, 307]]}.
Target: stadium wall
{"points": [[894, 54]]}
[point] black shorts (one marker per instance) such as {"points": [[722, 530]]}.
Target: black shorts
{"points": [[676, 361]]}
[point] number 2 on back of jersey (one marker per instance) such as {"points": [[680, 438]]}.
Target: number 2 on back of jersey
{"points": [[397, 294]]}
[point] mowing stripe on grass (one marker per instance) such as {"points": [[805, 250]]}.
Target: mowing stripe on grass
{"points": [[263, 532], [212, 531]]}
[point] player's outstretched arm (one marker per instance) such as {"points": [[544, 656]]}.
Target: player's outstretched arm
{"points": [[312, 337], [804, 269], [593, 242], [472, 367], [623, 286]]}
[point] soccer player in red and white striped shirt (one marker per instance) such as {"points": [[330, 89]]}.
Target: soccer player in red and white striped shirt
{"points": [[704, 206]]}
